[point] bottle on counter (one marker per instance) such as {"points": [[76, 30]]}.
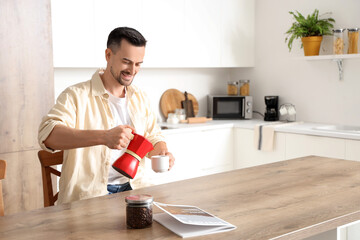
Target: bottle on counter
{"points": [[353, 39], [244, 87], [338, 44]]}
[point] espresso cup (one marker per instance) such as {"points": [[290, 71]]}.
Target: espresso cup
{"points": [[160, 163]]}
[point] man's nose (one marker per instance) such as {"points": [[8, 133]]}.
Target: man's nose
{"points": [[132, 69]]}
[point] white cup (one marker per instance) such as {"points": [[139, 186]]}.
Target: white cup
{"points": [[160, 163]]}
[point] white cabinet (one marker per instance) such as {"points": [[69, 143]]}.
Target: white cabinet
{"points": [[110, 14], [237, 33], [298, 145], [349, 231], [197, 153], [352, 150], [247, 155], [73, 33], [180, 33]]}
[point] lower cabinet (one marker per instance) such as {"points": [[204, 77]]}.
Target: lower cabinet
{"points": [[352, 150], [349, 231], [247, 155], [197, 153], [299, 145]]}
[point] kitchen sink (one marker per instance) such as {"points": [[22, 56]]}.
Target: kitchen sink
{"points": [[339, 128]]}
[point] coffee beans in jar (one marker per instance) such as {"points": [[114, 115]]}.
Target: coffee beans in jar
{"points": [[139, 211]]}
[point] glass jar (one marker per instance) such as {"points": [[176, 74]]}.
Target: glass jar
{"points": [[232, 88], [172, 118], [244, 87], [338, 43], [353, 39], [180, 114], [139, 211]]}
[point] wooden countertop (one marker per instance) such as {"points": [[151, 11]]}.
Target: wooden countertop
{"points": [[291, 199]]}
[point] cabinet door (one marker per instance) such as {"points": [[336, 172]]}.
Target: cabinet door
{"points": [[298, 145], [237, 33], [196, 154], [216, 152], [202, 38], [163, 25], [352, 150], [246, 153], [110, 14], [73, 33], [349, 231]]}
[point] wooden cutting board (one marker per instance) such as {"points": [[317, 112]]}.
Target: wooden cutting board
{"points": [[171, 100]]}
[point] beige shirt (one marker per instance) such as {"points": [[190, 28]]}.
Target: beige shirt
{"points": [[85, 106]]}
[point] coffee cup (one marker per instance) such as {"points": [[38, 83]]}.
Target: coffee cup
{"points": [[160, 163]]}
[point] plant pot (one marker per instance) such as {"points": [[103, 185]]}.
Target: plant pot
{"points": [[311, 45]]}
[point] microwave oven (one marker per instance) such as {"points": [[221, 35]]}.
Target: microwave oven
{"points": [[230, 107]]}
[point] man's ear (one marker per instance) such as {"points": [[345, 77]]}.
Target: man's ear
{"points": [[108, 53]]}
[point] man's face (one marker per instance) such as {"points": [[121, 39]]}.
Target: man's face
{"points": [[125, 63]]}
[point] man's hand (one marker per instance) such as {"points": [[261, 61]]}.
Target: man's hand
{"points": [[160, 148], [119, 137]]}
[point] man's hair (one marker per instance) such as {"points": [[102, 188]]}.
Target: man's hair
{"points": [[129, 34]]}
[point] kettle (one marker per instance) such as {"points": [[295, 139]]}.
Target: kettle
{"points": [[128, 163]]}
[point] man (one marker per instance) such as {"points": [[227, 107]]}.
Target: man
{"points": [[93, 122]]}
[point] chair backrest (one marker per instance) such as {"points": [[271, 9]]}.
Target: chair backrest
{"points": [[2, 176], [47, 160]]}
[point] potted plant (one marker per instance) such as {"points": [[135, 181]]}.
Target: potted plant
{"points": [[310, 30]]}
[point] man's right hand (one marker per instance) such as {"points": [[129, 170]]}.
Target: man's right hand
{"points": [[119, 137]]}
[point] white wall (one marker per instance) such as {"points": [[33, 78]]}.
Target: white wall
{"points": [[155, 82], [313, 86]]}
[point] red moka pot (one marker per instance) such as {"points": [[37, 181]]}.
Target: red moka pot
{"points": [[128, 163]]}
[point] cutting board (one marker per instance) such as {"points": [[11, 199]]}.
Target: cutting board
{"points": [[171, 100]]}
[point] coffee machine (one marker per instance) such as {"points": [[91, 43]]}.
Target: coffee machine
{"points": [[272, 108]]}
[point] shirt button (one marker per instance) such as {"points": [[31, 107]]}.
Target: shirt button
{"points": [[107, 163]]}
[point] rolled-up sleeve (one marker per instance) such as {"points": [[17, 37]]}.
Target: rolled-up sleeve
{"points": [[63, 112]]}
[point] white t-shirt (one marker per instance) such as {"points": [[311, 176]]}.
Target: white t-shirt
{"points": [[121, 116]]}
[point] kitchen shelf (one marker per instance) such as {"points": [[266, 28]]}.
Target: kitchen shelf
{"points": [[336, 58]]}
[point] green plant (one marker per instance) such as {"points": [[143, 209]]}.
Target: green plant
{"points": [[307, 27]]}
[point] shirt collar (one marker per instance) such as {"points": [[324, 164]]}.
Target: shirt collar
{"points": [[98, 88]]}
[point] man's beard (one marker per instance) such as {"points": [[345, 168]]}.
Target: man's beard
{"points": [[119, 79]]}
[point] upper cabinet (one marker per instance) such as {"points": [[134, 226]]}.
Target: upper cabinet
{"points": [[180, 33]]}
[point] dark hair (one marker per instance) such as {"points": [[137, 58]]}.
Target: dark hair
{"points": [[131, 35]]}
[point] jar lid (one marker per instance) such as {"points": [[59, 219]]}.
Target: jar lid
{"points": [[340, 30], [244, 81], [232, 82], [139, 199], [353, 29]]}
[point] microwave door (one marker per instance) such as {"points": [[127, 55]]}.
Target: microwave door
{"points": [[227, 108]]}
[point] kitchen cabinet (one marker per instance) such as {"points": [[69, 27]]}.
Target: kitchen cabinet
{"points": [[352, 150], [73, 33], [197, 153], [349, 231], [110, 14], [298, 145], [180, 33], [247, 155]]}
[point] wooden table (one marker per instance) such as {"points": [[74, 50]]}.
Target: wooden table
{"points": [[291, 199]]}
